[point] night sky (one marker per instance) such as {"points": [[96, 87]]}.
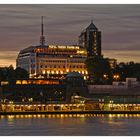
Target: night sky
{"points": [[20, 28]]}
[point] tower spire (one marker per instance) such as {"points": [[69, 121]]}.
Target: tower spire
{"points": [[42, 25], [42, 38]]}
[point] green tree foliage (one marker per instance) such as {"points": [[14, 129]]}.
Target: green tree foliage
{"points": [[99, 70]]}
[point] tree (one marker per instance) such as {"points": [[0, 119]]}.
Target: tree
{"points": [[8, 73], [99, 70], [21, 73], [129, 69]]}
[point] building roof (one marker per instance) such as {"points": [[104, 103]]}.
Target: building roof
{"points": [[31, 48], [74, 74], [92, 27]]}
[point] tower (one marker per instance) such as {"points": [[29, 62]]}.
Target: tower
{"points": [[42, 37], [90, 39]]}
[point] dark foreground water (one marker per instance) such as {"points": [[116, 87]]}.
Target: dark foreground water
{"points": [[70, 125]]}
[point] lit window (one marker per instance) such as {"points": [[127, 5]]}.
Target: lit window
{"points": [[44, 72], [18, 82], [61, 72], [24, 82], [52, 72]]}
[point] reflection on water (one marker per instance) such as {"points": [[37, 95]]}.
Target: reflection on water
{"points": [[70, 124], [11, 117]]}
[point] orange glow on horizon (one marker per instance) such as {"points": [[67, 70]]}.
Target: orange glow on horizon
{"points": [[8, 58]]}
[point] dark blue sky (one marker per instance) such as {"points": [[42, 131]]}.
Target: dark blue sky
{"points": [[20, 27]]}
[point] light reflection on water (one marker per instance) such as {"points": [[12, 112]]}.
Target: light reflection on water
{"points": [[70, 124], [10, 117]]}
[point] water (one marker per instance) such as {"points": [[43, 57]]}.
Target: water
{"points": [[70, 125]]}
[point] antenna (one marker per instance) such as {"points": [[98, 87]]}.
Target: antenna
{"points": [[42, 26], [42, 38]]}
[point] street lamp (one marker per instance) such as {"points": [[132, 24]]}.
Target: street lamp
{"points": [[105, 76], [116, 77]]}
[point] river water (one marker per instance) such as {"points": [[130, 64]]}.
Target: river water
{"points": [[70, 125]]}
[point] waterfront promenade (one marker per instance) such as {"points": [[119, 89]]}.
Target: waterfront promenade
{"points": [[87, 108]]}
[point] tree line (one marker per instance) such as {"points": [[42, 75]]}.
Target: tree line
{"points": [[101, 72], [9, 73]]}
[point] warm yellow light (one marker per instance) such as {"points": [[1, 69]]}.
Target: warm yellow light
{"points": [[104, 75], [24, 82], [85, 78], [116, 76], [67, 70], [18, 82], [48, 72], [61, 72], [52, 72], [80, 52], [62, 115], [5, 83], [44, 72]]}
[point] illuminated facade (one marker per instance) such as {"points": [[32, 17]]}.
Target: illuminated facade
{"points": [[52, 60], [48, 60], [90, 39]]}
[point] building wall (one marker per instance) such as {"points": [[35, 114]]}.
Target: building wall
{"points": [[23, 61], [61, 65]]}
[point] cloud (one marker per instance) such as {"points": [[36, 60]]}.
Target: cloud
{"points": [[123, 56]]}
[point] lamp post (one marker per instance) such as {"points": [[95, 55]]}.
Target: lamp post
{"points": [[116, 77]]}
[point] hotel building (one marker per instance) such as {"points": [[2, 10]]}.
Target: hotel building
{"points": [[52, 60]]}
